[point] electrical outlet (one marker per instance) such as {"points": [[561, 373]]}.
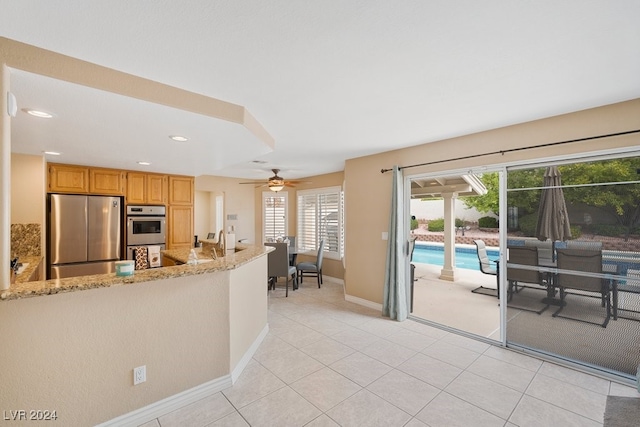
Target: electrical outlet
{"points": [[139, 374]]}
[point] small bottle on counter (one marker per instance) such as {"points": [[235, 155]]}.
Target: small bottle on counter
{"points": [[193, 257]]}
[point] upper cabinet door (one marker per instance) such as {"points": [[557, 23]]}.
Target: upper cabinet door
{"points": [[106, 181], [146, 188], [136, 188], [181, 190], [68, 179], [157, 189]]}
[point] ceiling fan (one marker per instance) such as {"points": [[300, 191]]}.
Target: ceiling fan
{"points": [[276, 183]]}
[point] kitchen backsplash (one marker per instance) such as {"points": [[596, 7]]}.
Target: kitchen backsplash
{"points": [[26, 239]]}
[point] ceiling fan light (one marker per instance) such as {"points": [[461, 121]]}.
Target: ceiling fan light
{"points": [[276, 185]]}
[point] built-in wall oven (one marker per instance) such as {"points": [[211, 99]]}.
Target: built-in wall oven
{"points": [[146, 226]]}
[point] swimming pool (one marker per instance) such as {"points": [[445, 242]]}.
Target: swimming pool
{"points": [[466, 256]]}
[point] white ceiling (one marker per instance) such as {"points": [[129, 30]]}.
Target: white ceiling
{"points": [[329, 80]]}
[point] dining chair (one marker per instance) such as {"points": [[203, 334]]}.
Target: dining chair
{"points": [[292, 241], [312, 268], [485, 267], [571, 261], [278, 266], [292, 249], [533, 279]]}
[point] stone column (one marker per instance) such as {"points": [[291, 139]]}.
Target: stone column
{"points": [[448, 270]]}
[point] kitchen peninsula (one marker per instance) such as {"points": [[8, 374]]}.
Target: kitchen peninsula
{"points": [[181, 256], [194, 328], [231, 260]]}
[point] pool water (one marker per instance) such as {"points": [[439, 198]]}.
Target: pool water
{"points": [[466, 257]]}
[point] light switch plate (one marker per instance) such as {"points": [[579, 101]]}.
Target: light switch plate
{"points": [[385, 235]]}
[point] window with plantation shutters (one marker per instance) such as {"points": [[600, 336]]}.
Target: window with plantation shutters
{"points": [[320, 217], [274, 215]]}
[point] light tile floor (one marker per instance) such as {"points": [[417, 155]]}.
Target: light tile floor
{"points": [[328, 362]]}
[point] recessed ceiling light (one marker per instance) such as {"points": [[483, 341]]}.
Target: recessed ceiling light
{"points": [[52, 153], [38, 113], [144, 163], [178, 138]]}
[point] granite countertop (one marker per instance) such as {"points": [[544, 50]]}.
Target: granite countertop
{"points": [[232, 260], [34, 263], [182, 255]]}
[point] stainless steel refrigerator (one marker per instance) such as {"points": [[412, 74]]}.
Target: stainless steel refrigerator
{"points": [[84, 235]]}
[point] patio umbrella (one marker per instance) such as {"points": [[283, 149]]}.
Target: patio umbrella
{"points": [[553, 218]]}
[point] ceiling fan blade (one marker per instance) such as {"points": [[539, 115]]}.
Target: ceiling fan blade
{"points": [[296, 181], [254, 182]]}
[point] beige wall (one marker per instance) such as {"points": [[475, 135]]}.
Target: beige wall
{"points": [[28, 189], [247, 307], [238, 199], [368, 192], [330, 267], [75, 352]]}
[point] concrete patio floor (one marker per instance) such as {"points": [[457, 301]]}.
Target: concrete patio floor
{"points": [[453, 304]]}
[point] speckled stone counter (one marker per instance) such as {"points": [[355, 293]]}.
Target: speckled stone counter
{"points": [[231, 261], [25, 240], [34, 263], [182, 255]]}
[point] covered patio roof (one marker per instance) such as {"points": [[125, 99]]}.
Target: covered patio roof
{"points": [[461, 185], [448, 188]]}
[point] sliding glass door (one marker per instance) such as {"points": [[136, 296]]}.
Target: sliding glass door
{"points": [[573, 262]]}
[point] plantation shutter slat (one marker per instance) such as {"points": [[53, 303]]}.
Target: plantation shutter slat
{"points": [[274, 216], [320, 218]]}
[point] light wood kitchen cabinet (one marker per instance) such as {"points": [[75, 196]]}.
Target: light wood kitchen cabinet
{"points": [[180, 190], [179, 227], [106, 181], [157, 189], [146, 188], [136, 188], [68, 179]]}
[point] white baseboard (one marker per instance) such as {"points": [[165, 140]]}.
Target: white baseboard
{"points": [[249, 354], [363, 302], [171, 403]]}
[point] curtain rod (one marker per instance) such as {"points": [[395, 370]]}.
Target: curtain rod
{"points": [[502, 152]]}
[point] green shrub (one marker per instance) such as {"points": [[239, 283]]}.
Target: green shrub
{"points": [[576, 231], [527, 224], [414, 224], [436, 224], [487, 222], [608, 229]]}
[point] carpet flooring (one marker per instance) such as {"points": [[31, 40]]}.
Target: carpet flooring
{"points": [[622, 412], [616, 347]]}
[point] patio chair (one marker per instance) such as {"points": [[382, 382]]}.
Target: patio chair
{"points": [[312, 268], [278, 265], [582, 261], [630, 291], [546, 255], [486, 268], [412, 274], [525, 256]]}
